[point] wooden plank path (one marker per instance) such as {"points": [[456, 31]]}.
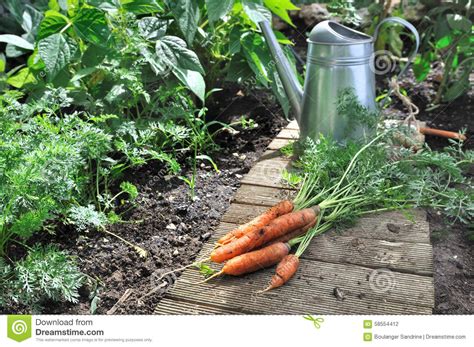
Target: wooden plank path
{"points": [[383, 265]]}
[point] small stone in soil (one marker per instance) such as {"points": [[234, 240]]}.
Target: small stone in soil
{"points": [[443, 306], [206, 236], [171, 226], [176, 252]]}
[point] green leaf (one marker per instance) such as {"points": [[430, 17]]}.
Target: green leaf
{"points": [[21, 78], [83, 73], [281, 8], [156, 64], [257, 56], [456, 90], [395, 42], [56, 51], [444, 42], [152, 28], [117, 91], [34, 62], [173, 52], [209, 159], [53, 5], [106, 5], [421, 67], [141, 6], [458, 22], [3, 62], [256, 11], [52, 23], [16, 41], [216, 9], [282, 38], [193, 80], [29, 222], [93, 56], [279, 92], [90, 24], [31, 21], [130, 189], [186, 13], [234, 40], [239, 70]]}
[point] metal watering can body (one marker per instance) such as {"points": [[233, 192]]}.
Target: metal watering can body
{"points": [[339, 58]]}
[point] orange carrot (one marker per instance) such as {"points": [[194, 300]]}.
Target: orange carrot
{"points": [[258, 237], [442, 133], [286, 268], [256, 260], [295, 233], [280, 209]]}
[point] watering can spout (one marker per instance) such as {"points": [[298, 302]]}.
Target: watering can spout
{"points": [[290, 82]]}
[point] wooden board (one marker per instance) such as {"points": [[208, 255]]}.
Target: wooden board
{"points": [[381, 265]]}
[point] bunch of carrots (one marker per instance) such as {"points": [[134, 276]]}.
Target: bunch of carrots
{"points": [[267, 239]]}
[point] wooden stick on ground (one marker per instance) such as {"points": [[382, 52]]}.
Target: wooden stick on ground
{"points": [[120, 301]]}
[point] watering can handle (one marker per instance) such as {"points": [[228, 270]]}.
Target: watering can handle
{"points": [[406, 25]]}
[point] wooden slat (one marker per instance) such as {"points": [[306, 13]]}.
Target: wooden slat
{"points": [[291, 134], [267, 172], [274, 158], [266, 176], [292, 125], [416, 258], [240, 214], [261, 196], [276, 144], [394, 226], [170, 307], [313, 291]]}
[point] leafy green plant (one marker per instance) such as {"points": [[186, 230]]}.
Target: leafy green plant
{"points": [[447, 36], [43, 165], [234, 44], [346, 11], [379, 178], [45, 274]]}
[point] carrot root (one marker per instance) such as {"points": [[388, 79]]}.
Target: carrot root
{"points": [[284, 271], [443, 133], [295, 233], [280, 209], [209, 278], [256, 260]]}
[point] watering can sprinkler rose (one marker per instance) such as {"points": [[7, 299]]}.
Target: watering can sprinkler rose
{"points": [[339, 58]]}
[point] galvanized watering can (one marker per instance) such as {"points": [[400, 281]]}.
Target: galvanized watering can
{"points": [[339, 58]]}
